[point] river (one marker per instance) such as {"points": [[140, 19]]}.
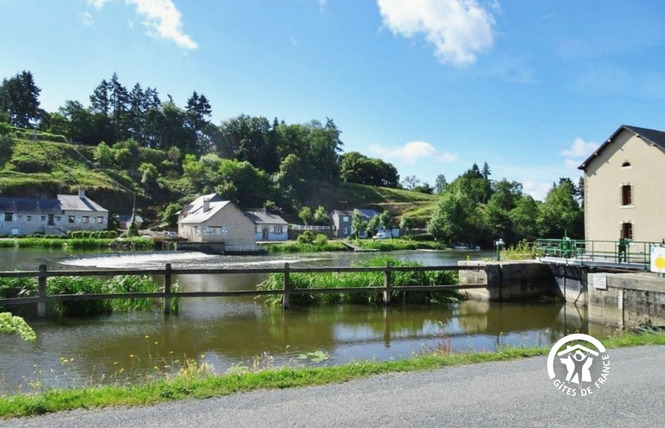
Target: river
{"points": [[241, 332]]}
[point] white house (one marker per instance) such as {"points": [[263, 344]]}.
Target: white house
{"points": [[26, 216], [268, 226]]}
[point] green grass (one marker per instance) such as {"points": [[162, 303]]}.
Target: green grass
{"points": [[398, 244], [364, 280], [136, 243], [205, 385]]}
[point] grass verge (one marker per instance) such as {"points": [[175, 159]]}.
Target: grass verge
{"points": [[206, 386]]}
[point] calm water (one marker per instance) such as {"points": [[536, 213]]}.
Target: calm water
{"points": [[241, 331]]}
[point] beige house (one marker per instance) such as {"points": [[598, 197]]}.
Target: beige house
{"points": [[623, 191], [211, 219]]}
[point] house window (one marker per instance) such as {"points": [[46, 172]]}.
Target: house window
{"points": [[277, 229], [71, 219], [224, 230], [57, 218], [345, 218], [28, 218], [207, 230], [625, 165], [100, 219], [272, 229], [259, 229], [627, 230], [85, 219], [626, 195]]}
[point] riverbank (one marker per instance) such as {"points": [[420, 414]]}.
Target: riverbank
{"points": [[135, 243], [396, 244], [197, 381]]}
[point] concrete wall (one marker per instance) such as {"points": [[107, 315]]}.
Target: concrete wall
{"points": [[511, 280], [629, 299], [603, 178]]}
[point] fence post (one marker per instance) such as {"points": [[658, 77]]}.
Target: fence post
{"points": [[387, 284], [41, 304], [167, 289], [287, 287]]}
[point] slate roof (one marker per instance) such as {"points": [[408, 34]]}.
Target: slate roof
{"points": [[367, 213], [49, 206], [260, 217], [196, 215], [30, 205], [652, 136], [79, 203]]}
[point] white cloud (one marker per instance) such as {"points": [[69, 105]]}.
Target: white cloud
{"points": [[413, 152], [537, 190], [458, 29], [578, 151], [86, 19], [161, 17]]}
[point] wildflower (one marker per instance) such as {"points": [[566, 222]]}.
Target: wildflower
{"points": [[122, 370], [147, 336], [156, 343], [131, 355], [115, 363]]}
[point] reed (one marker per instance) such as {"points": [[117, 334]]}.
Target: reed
{"points": [[332, 280]]}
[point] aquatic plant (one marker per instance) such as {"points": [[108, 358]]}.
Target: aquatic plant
{"points": [[10, 324], [361, 280]]}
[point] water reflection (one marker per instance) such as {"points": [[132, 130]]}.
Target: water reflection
{"points": [[228, 331]]}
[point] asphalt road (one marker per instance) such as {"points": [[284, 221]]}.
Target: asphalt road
{"points": [[517, 393]]}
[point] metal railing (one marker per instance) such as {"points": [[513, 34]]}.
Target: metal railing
{"points": [[635, 253]]}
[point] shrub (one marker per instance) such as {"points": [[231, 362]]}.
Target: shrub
{"points": [[306, 237], [320, 239]]}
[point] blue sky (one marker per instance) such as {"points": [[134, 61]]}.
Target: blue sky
{"points": [[531, 87]]}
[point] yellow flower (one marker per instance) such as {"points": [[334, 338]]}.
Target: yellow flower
{"points": [[115, 363], [156, 343], [146, 336], [131, 355], [121, 370]]}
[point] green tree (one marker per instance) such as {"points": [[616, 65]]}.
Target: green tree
{"points": [[440, 184], [103, 155], [371, 225], [561, 213], [386, 222], [19, 98], [357, 168], [406, 224], [358, 224], [525, 218], [305, 214], [170, 214], [321, 216], [455, 219]]}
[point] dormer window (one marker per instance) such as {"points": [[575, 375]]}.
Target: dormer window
{"points": [[625, 165]]}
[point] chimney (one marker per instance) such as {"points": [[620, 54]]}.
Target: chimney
{"points": [[206, 205], [81, 193]]}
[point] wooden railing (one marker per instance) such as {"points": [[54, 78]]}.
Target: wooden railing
{"points": [[167, 294]]}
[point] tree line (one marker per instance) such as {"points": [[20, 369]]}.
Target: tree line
{"points": [[476, 210]]}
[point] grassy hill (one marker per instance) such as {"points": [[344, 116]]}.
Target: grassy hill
{"points": [[35, 164], [418, 206]]}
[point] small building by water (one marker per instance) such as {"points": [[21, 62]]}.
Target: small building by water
{"points": [[211, 219], [26, 216], [268, 226]]}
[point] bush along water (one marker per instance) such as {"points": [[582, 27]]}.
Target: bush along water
{"points": [[27, 287], [333, 280]]}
